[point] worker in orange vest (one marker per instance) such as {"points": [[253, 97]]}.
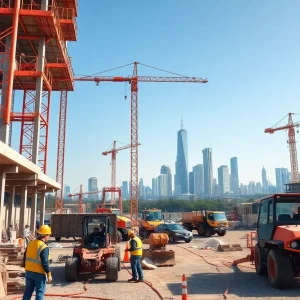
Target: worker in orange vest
{"points": [[136, 251], [36, 260]]}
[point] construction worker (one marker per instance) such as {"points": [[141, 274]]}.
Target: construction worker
{"points": [[136, 251], [36, 260]]}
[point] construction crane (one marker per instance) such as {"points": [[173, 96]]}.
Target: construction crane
{"points": [[133, 81], [80, 197], [113, 153], [291, 141]]}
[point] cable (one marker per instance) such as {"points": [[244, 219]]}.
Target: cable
{"points": [[148, 283]]}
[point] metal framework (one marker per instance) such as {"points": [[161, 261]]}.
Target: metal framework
{"points": [[113, 153], [112, 190], [134, 80], [291, 141]]}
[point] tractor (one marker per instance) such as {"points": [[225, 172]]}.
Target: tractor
{"points": [[98, 250], [277, 251], [151, 218]]}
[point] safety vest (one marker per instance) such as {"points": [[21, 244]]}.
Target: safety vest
{"points": [[33, 260], [139, 247]]}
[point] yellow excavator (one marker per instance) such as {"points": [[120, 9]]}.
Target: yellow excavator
{"points": [[150, 219]]}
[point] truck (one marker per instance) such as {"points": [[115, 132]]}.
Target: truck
{"points": [[207, 223], [150, 219]]}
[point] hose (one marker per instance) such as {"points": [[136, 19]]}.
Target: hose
{"points": [[148, 283]]}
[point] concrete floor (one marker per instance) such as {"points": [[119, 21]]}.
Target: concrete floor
{"points": [[204, 280]]}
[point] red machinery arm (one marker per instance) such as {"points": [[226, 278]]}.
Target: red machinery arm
{"points": [[85, 193], [119, 149], [272, 130]]}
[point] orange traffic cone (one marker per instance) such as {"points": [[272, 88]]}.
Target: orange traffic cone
{"points": [[126, 257], [184, 288]]}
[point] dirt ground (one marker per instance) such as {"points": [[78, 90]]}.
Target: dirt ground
{"points": [[208, 277]]}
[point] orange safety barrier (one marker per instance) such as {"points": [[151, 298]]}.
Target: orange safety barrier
{"points": [[184, 288], [126, 257]]}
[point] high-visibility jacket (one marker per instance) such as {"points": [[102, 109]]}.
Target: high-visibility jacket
{"points": [[139, 247], [33, 260]]}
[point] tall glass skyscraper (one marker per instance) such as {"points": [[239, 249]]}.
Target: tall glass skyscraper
{"points": [[181, 166], [208, 171], [234, 179]]}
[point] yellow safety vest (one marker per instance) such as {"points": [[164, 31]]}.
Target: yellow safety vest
{"points": [[139, 247], [33, 260]]}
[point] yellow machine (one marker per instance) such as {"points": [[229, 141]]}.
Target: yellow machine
{"points": [[207, 223], [151, 218]]}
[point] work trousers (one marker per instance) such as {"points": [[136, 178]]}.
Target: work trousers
{"points": [[37, 282], [136, 267]]}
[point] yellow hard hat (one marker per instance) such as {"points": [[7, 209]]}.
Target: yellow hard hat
{"points": [[130, 232], [44, 230]]}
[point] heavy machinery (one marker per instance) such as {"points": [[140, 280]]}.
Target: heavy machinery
{"points": [[123, 223], [150, 219], [207, 223], [98, 250], [277, 252]]}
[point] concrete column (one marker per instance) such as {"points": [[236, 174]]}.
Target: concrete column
{"points": [[23, 209], [2, 208], [33, 209], [11, 205], [38, 101], [42, 208]]}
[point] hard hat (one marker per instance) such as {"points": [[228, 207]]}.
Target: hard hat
{"points": [[44, 230], [130, 232]]}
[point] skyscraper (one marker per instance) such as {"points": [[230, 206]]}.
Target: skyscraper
{"points": [[234, 178], [208, 171], [67, 191], [282, 177], [162, 182], [191, 183], [166, 170], [265, 184], [125, 194], [181, 167], [198, 180], [93, 186], [154, 188], [141, 189], [223, 179]]}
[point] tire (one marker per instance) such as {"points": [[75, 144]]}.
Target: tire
{"points": [[221, 233], [201, 230], [188, 241], [171, 239], [117, 254], [260, 267], [209, 232], [71, 269], [187, 226], [111, 269], [280, 269], [57, 239]]}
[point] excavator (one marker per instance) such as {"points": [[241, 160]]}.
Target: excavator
{"points": [[150, 219], [123, 223]]}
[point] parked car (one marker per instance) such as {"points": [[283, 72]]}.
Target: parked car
{"points": [[175, 232]]}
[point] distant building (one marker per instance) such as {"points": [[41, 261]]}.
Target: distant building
{"points": [[282, 178], [191, 183], [93, 187], [162, 182], [181, 166], [234, 177], [148, 193], [208, 171], [252, 188], [265, 184], [258, 188], [223, 179], [125, 190], [198, 179], [166, 170], [141, 189], [67, 191], [154, 188]]}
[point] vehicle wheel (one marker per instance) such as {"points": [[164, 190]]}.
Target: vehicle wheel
{"points": [[171, 239], [260, 267], [209, 232], [58, 239], [201, 230], [187, 226], [221, 233], [117, 254], [71, 269], [111, 270], [188, 241], [280, 269]]}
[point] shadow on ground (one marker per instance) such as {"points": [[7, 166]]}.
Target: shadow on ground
{"points": [[241, 284]]}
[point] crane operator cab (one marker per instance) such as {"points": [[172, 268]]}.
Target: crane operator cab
{"points": [[96, 232]]}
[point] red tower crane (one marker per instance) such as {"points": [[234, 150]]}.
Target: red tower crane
{"points": [[80, 197], [134, 80], [113, 153], [291, 141]]}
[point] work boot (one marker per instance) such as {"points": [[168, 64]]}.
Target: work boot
{"points": [[132, 280], [140, 280]]}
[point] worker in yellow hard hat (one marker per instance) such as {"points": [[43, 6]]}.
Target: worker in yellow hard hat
{"points": [[136, 251], [36, 260]]}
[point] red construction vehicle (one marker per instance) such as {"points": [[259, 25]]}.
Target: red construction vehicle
{"points": [[98, 250], [123, 223]]}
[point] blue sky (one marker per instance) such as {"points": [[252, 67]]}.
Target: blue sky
{"points": [[249, 52]]}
